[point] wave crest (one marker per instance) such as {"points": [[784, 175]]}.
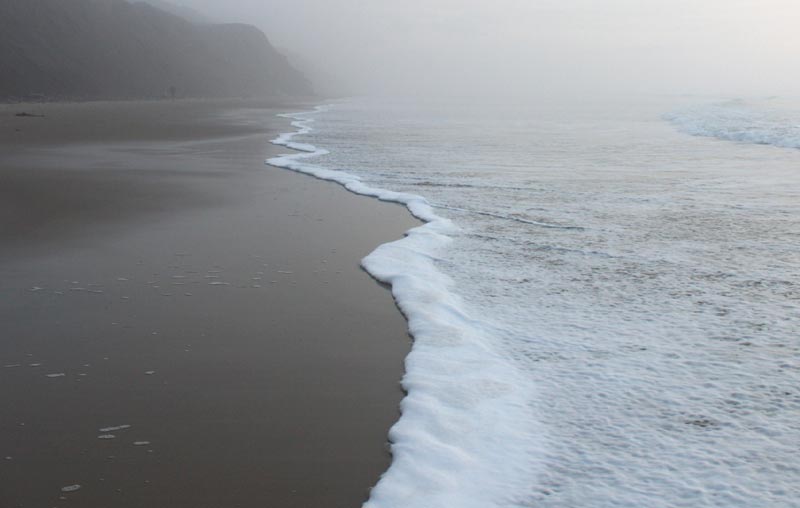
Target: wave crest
{"points": [[740, 121]]}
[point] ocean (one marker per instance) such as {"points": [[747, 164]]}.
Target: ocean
{"points": [[604, 297]]}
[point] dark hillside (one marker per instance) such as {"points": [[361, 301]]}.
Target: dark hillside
{"points": [[108, 49]]}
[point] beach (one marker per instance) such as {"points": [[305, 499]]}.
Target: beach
{"points": [[182, 324]]}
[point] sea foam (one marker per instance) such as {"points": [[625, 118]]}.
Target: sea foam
{"points": [[467, 436], [648, 295]]}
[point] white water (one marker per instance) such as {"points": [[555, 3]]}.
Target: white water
{"points": [[766, 122], [605, 310]]}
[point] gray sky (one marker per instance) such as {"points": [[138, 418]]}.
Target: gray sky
{"points": [[518, 47]]}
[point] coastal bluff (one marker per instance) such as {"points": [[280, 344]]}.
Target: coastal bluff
{"points": [[116, 49]]}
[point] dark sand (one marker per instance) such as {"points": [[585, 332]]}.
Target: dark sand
{"points": [[212, 303]]}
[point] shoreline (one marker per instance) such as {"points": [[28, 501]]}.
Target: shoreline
{"points": [[147, 281], [468, 403]]}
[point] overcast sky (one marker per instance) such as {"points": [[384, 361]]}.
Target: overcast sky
{"points": [[528, 46]]}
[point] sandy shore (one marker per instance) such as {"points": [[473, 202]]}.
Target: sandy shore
{"points": [[155, 274]]}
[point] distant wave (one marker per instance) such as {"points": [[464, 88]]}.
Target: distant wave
{"points": [[740, 121]]}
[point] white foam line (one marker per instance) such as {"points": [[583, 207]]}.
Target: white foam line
{"points": [[467, 436]]}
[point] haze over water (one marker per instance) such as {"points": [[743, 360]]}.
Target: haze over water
{"points": [[525, 48]]}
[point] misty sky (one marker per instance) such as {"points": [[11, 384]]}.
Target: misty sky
{"points": [[519, 47]]}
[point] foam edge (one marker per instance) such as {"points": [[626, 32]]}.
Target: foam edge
{"points": [[466, 436]]}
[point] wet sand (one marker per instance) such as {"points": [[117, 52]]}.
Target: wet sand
{"points": [[154, 273]]}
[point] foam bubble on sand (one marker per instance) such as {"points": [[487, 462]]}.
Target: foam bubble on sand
{"points": [[114, 429], [57, 374], [106, 436], [464, 438], [70, 488], [12, 366], [150, 372], [141, 443], [219, 283]]}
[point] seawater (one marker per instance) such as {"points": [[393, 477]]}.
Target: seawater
{"points": [[604, 297]]}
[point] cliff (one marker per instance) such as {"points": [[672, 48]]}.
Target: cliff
{"points": [[115, 49]]}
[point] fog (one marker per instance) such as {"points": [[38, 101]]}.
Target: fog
{"points": [[523, 47]]}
